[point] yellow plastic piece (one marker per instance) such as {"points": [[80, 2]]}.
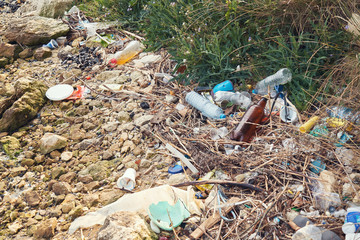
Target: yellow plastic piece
{"points": [[205, 187], [338, 123], [306, 127]]}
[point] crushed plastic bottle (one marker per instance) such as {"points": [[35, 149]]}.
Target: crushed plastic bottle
{"points": [[281, 77], [344, 113], [130, 51], [206, 107], [242, 99]]}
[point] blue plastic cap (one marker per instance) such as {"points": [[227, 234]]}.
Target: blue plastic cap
{"points": [[224, 86], [222, 116], [254, 91]]}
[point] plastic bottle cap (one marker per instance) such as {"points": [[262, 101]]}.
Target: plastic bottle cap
{"points": [[222, 116], [254, 91]]}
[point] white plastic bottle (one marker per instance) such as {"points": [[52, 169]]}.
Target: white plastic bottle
{"points": [[281, 77], [130, 51], [352, 220], [206, 107], [242, 99]]}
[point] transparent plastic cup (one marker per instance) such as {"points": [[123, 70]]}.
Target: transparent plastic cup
{"points": [[127, 181]]}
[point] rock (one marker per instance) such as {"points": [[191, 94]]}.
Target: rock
{"points": [[68, 177], [98, 171], [45, 8], [11, 145], [127, 146], [42, 53], [108, 196], [143, 120], [123, 116], [176, 178], [85, 178], [34, 30], [26, 102], [15, 227], [145, 163], [90, 200], [46, 229], [27, 162], [60, 188], [137, 151], [108, 154], [66, 156], [16, 171], [50, 142], [110, 127], [56, 172], [67, 206], [92, 185], [125, 226], [76, 212], [26, 53], [3, 62], [10, 51], [32, 198]]}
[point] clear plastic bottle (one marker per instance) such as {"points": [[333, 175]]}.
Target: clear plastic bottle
{"points": [[344, 113], [130, 51], [281, 77], [206, 107], [242, 99]]}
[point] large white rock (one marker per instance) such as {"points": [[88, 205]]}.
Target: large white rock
{"points": [[125, 226]]}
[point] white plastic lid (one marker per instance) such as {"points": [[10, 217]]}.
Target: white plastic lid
{"points": [[348, 227], [59, 92]]}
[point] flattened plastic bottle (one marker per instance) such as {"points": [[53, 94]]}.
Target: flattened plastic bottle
{"points": [[249, 123]]}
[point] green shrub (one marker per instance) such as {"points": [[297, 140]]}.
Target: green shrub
{"points": [[243, 41]]}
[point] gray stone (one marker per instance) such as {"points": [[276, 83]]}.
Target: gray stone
{"points": [[98, 171], [34, 30], [125, 226], [10, 145], [51, 141], [60, 188], [111, 126]]}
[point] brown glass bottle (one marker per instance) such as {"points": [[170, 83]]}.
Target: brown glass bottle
{"points": [[249, 123]]}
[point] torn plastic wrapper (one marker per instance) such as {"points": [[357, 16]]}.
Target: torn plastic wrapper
{"points": [[78, 93], [140, 202]]}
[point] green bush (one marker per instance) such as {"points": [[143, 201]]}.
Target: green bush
{"points": [[243, 41]]}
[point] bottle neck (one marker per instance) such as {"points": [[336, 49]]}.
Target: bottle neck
{"points": [[262, 102]]}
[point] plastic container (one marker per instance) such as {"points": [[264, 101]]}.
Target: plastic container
{"points": [[249, 123], [281, 77], [242, 99], [306, 127], [224, 86], [344, 113], [206, 107], [127, 181], [291, 114], [352, 220], [130, 51]]}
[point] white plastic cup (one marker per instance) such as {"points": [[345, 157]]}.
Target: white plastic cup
{"points": [[291, 115], [127, 181]]}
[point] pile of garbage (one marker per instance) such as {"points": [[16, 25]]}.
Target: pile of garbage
{"points": [[236, 162]]}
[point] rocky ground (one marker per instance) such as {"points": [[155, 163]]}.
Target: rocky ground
{"points": [[61, 159]]}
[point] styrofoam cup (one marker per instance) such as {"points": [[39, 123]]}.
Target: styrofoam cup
{"points": [[127, 181]]}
